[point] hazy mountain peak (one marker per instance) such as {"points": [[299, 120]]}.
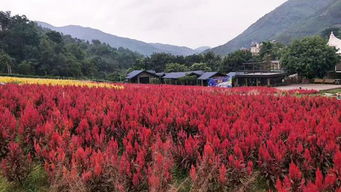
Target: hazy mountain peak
{"points": [[88, 33], [202, 49]]}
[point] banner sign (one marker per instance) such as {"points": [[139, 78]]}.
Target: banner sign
{"points": [[220, 82]]}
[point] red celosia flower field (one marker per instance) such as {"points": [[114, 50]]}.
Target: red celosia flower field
{"points": [[170, 138]]}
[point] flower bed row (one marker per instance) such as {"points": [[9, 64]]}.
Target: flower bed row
{"points": [[57, 82]]}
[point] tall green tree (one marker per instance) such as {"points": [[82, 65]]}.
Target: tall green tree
{"points": [[158, 61], [55, 36], [310, 57], [200, 67], [270, 50], [26, 68], [19, 37], [5, 18], [234, 61], [175, 67], [5, 63], [212, 60]]}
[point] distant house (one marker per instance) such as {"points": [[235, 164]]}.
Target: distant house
{"points": [[255, 48], [203, 79], [182, 78], [335, 42], [142, 76]]}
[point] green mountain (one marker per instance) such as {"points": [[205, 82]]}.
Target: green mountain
{"points": [[89, 34], [292, 20]]}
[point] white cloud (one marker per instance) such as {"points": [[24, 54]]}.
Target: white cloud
{"points": [[190, 23]]}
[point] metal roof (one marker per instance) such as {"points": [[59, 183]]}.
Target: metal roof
{"points": [[134, 74], [197, 72], [175, 75], [208, 75], [261, 75], [232, 74], [137, 72], [160, 74]]}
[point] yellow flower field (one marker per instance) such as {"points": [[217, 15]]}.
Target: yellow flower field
{"points": [[57, 82]]}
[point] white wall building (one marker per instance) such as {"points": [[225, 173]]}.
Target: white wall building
{"points": [[335, 42], [255, 48]]}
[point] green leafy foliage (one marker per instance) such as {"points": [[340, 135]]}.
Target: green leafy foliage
{"points": [[5, 62], [310, 57], [175, 67], [271, 50], [169, 63], [233, 61], [36, 181], [200, 67]]}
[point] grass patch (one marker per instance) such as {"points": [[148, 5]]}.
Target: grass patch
{"points": [[254, 183], [181, 181], [332, 91], [35, 182], [4, 184], [260, 185]]}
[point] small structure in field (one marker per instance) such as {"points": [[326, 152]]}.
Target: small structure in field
{"points": [[204, 78], [142, 76], [182, 78], [266, 73], [258, 79]]}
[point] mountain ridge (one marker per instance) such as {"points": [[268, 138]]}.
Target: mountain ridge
{"points": [[147, 49]]}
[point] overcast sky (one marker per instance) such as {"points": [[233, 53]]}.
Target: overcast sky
{"points": [[191, 23]]}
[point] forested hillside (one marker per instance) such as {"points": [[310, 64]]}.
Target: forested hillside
{"points": [[292, 20], [26, 48]]}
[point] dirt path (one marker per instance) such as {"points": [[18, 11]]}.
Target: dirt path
{"points": [[318, 87]]}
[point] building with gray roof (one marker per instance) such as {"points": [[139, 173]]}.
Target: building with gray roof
{"points": [[142, 76], [203, 79]]}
